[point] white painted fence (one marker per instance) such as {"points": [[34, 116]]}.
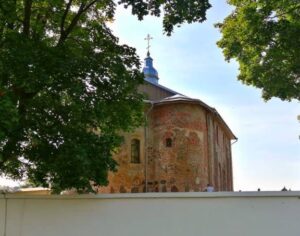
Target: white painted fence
{"points": [[160, 214]]}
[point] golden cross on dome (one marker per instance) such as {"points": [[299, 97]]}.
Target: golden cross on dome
{"points": [[148, 38]]}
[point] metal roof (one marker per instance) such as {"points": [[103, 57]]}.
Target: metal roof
{"points": [[179, 98]]}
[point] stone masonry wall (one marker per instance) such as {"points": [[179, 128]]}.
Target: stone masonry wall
{"points": [[183, 165], [199, 153], [129, 176]]}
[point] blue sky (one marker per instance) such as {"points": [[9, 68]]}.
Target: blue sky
{"points": [[267, 154]]}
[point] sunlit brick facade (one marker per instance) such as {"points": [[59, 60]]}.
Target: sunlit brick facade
{"points": [[184, 145]]}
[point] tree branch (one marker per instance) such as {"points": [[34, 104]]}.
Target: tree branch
{"points": [[27, 15], [83, 8], [285, 12], [63, 19], [74, 21], [90, 4]]}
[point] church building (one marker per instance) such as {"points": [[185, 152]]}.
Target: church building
{"points": [[183, 146]]}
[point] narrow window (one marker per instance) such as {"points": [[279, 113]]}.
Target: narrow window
{"points": [[135, 151], [168, 142]]}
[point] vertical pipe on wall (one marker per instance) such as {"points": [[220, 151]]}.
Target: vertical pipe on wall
{"points": [[146, 146], [231, 170], [208, 151]]}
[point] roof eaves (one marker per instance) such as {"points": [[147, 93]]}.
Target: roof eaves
{"points": [[198, 101], [163, 87]]}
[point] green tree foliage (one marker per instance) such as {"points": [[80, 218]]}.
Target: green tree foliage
{"points": [[264, 37], [67, 88]]}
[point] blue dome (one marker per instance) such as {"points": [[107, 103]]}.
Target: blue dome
{"points": [[149, 71]]}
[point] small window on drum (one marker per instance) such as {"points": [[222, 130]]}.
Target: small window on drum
{"points": [[168, 142], [135, 151]]}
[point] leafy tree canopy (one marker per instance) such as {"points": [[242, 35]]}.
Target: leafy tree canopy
{"points": [[67, 88], [264, 37]]}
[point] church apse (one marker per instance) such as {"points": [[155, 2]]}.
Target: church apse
{"points": [[183, 153], [178, 134], [184, 145]]}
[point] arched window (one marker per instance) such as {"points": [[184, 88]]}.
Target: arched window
{"points": [[168, 142], [135, 151]]}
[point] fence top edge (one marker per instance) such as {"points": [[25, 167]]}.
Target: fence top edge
{"points": [[199, 195]]}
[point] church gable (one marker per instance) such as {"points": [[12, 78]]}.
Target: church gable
{"points": [[155, 92]]}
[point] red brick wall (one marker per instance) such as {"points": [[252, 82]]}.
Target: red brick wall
{"points": [[195, 158]]}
